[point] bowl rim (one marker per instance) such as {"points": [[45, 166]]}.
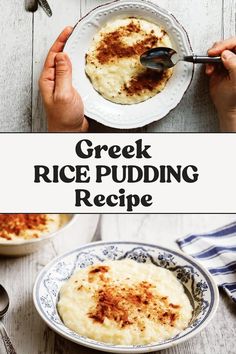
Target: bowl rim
{"points": [[129, 349], [150, 119], [43, 238]]}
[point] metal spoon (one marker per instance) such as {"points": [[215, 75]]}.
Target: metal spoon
{"points": [[4, 305], [31, 5], [165, 58], [46, 7]]}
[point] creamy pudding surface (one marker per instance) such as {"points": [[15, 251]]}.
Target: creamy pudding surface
{"points": [[25, 227], [113, 61], [125, 303]]}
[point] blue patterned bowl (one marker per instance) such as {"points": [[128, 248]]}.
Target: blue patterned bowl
{"points": [[197, 282]]}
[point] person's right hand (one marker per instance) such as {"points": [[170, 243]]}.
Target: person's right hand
{"points": [[223, 83]]}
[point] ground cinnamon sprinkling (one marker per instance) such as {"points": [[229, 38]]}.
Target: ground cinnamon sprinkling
{"points": [[112, 46], [17, 223], [129, 304], [174, 306], [97, 271], [147, 80]]}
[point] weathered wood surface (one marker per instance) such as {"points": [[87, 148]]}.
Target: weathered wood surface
{"points": [[29, 333], [15, 66], [20, 104]]}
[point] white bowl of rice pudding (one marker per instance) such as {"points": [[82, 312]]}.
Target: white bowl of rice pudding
{"points": [[21, 234], [125, 297], [105, 49]]}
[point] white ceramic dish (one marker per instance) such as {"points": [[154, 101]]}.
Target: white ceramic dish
{"points": [[136, 115], [198, 284], [16, 249]]}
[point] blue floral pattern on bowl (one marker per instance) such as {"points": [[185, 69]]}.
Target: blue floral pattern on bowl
{"points": [[197, 282]]}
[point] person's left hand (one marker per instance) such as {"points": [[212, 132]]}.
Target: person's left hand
{"points": [[63, 104]]}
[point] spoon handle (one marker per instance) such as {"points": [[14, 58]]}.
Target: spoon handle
{"points": [[197, 59], [6, 340]]}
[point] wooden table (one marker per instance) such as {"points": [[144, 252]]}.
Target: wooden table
{"points": [[29, 333], [26, 38]]}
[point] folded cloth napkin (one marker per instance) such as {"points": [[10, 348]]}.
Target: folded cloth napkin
{"points": [[217, 252]]}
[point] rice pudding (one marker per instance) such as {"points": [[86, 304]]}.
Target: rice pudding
{"points": [[125, 303], [113, 61], [25, 227]]}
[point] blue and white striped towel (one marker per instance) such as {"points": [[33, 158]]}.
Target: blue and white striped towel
{"points": [[217, 252]]}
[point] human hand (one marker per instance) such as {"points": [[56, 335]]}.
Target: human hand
{"points": [[223, 83], [63, 105]]}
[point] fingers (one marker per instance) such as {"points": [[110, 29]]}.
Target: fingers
{"points": [[219, 47], [60, 42], [57, 47], [46, 81], [229, 61], [209, 69], [63, 73]]}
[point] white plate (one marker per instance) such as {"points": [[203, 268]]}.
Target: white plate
{"points": [[197, 282], [21, 248], [136, 115]]}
